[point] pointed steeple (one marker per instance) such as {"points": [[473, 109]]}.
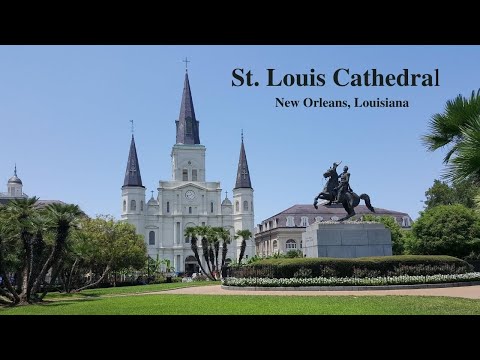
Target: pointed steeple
{"points": [[243, 175], [187, 124], [132, 174]]}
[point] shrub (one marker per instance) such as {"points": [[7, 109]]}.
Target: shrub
{"points": [[356, 267], [448, 229], [294, 254], [335, 281], [303, 273]]}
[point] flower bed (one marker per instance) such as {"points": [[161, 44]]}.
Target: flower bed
{"points": [[334, 281]]}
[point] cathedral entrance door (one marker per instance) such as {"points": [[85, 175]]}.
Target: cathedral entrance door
{"points": [[191, 265]]}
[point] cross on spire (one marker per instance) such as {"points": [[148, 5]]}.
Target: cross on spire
{"points": [[15, 171], [242, 135], [226, 194], [132, 129], [244, 173], [186, 61], [152, 193]]}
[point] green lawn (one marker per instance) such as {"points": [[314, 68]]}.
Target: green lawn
{"points": [[170, 304], [129, 289]]}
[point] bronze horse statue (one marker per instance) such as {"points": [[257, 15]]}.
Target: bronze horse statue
{"points": [[348, 199]]}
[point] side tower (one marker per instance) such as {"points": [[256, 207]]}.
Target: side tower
{"points": [[15, 185], [133, 192], [243, 214]]}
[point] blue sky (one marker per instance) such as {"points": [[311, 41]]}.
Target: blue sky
{"points": [[65, 112]]}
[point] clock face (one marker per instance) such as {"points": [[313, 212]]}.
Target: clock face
{"points": [[190, 194]]}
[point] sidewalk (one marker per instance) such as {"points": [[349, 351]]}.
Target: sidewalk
{"points": [[469, 292]]}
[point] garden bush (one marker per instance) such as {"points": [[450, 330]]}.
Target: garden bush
{"points": [[414, 265]]}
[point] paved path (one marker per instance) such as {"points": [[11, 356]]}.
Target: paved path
{"points": [[470, 292]]}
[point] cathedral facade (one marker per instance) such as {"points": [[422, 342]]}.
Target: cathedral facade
{"points": [[188, 199]]}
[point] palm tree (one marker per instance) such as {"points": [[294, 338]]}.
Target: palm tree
{"points": [[224, 234], [62, 218], [204, 231], [445, 129], [216, 231], [465, 165], [245, 235], [20, 212], [192, 233]]}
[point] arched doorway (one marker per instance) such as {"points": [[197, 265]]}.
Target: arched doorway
{"points": [[191, 265]]}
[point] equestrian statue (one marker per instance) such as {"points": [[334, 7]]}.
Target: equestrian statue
{"points": [[340, 192]]}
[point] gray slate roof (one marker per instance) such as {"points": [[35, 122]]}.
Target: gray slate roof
{"points": [[187, 125], [132, 173], [40, 203], [326, 212]]}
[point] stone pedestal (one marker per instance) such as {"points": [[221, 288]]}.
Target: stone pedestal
{"points": [[346, 240]]}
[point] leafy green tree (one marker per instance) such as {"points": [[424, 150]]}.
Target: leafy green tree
{"points": [[447, 230], [106, 245], [395, 230], [245, 235], [441, 193]]}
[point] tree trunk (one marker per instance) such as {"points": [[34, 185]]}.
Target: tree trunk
{"points": [[55, 271], [105, 272], [217, 249], [27, 266], [71, 275], [194, 248], [242, 251], [205, 255], [52, 259], [6, 280], [224, 253]]}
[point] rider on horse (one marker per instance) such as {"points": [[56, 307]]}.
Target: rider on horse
{"points": [[344, 185]]}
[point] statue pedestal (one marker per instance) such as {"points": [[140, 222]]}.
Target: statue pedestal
{"points": [[346, 240]]}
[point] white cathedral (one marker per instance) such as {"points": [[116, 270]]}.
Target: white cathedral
{"points": [[188, 199]]}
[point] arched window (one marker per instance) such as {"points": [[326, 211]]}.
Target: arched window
{"points": [[141, 205], [211, 207], [251, 206], [189, 209], [168, 206], [133, 205], [237, 206], [194, 175], [290, 245], [151, 238], [275, 246], [124, 205], [245, 205], [185, 175]]}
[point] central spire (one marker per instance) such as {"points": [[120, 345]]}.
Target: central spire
{"points": [[187, 124]]}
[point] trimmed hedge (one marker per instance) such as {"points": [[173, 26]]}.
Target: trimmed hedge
{"points": [[355, 267]]}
